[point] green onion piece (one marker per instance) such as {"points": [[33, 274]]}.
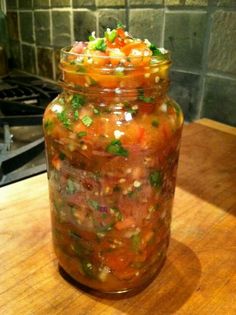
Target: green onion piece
{"points": [[87, 121], [81, 134], [96, 111], [76, 115], [111, 36], [91, 38], [100, 45], [116, 148], [136, 242], [155, 179]]}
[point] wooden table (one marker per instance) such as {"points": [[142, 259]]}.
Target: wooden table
{"points": [[199, 276]]}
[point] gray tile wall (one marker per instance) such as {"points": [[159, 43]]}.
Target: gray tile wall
{"points": [[201, 35]]}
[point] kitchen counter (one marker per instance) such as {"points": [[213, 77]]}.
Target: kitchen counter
{"points": [[199, 276]]}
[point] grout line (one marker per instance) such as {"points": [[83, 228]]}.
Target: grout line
{"points": [[51, 40], [97, 22], [202, 84], [217, 74], [3, 6], [82, 9], [19, 33], [196, 72], [163, 29], [35, 46], [187, 11], [50, 24], [72, 34], [61, 9], [28, 44], [127, 14]]}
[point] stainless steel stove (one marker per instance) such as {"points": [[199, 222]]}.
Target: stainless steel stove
{"points": [[23, 99]]}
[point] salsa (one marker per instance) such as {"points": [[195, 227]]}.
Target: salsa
{"points": [[112, 138]]}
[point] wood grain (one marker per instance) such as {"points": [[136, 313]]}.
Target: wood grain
{"points": [[199, 275]]}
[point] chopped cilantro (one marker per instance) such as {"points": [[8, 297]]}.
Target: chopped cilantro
{"points": [[145, 99], [96, 175], [48, 125], [93, 204], [130, 109], [155, 50], [100, 45], [62, 156], [177, 109], [104, 215], [117, 213], [80, 69], [117, 188], [63, 117], [77, 101], [142, 97], [155, 179], [92, 82], [155, 123], [87, 121], [120, 25], [116, 148], [70, 187], [81, 134]]}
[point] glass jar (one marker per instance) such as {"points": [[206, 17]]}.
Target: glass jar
{"points": [[112, 141]]}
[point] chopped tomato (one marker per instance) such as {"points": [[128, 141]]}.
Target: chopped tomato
{"points": [[125, 224]]}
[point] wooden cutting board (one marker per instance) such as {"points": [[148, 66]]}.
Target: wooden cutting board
{"points": [[199, 276]]}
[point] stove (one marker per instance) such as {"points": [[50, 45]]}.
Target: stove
{"points": [[23, 99]]}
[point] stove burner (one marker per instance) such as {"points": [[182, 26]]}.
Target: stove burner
{"points": [[23, 100], [12, 160]]}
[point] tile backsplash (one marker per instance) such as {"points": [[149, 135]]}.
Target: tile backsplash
{"points": [[200, 34]]}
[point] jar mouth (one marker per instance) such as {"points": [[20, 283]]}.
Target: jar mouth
{"points": [[102, 72], [66, 54]]}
